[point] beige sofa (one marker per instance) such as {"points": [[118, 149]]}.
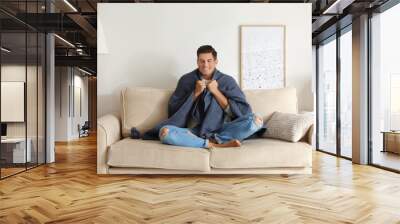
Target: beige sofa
{"points": [[145, 107]]}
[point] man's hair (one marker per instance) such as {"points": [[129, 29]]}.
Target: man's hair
{"points": [[207, 49]]}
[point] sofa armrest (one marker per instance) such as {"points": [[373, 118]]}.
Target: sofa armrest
{"points": [[108, 132], [308, 137]]}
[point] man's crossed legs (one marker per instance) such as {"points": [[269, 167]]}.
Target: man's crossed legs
{"points": [[230, 135]]}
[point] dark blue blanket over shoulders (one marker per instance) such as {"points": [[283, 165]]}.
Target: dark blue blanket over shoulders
{"points": [[205, 110]]}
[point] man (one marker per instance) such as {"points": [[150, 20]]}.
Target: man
{"points": [[207, 109]]}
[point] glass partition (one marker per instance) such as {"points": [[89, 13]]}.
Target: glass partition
{"points": [[13, 95], [41, 107], [22, 77], [32, 95]]}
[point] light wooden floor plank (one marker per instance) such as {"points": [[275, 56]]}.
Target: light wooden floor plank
{"points": [[70, 191]]}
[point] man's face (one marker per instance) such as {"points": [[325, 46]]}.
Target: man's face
{"points": [[206, 63]]}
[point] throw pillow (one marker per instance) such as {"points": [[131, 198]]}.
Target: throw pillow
{"points": [[289, 127]]}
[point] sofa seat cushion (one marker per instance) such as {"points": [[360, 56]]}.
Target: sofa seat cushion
{"points": [[152, 154], [263, 153]]}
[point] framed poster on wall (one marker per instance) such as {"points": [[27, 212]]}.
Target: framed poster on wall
{"points": [[262, 56]]}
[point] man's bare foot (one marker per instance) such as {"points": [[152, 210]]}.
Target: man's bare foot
{"points": [[212, 140], [259, 120], [233, 143]]}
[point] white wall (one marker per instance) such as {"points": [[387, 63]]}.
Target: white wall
{"points": [[154, 44], [61, 103], [80, 82], [66, 121]]}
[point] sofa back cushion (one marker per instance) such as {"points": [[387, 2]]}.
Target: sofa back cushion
{"points": [[144, 108], [265, 102]]}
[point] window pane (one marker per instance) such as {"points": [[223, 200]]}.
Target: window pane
{"points": [[327, 97], [386, 88], [346, 93]]}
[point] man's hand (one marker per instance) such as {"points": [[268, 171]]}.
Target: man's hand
{"points": [[200, 87], [213, 86], [221, 99]]}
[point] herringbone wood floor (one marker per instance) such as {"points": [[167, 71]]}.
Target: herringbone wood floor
{"points": [[69, 191]]}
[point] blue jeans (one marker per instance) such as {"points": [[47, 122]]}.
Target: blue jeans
{"points": [[239, 129]]}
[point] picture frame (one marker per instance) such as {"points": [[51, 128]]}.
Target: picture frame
{"points": [[262, 56]]}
